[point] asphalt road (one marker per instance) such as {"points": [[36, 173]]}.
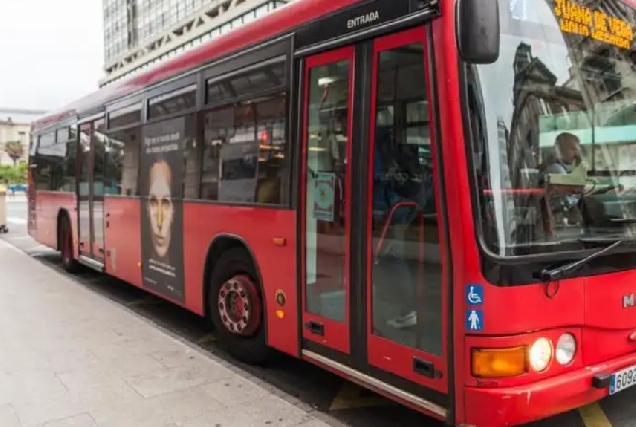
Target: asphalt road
{"points": [[342, 403]]}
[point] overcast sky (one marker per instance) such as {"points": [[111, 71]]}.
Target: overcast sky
{"points": [[51, 51]]}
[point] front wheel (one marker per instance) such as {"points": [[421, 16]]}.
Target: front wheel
{"points": [[236, 307], [69, 262]]}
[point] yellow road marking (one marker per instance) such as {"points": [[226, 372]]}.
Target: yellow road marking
{"points": [[593, 416], [209, 338], [353, 396]]}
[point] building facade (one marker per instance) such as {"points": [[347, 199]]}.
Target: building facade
{"points": [[15, 126], [139, 34]]}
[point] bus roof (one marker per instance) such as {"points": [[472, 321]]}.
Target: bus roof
{"points": [[279, 22]]}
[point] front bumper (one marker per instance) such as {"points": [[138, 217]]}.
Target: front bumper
{"points": [[500, 407]]}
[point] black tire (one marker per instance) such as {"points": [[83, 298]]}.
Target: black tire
{"points": [[250, 349], [65, 244]]}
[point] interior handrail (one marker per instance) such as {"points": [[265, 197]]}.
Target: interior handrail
{"points": [[387, 224]]}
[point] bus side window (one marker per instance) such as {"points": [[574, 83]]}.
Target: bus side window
{"points": [[245, 152], [42, 169], [217, 128], [124, 159], [271, 132], [192, 164]]}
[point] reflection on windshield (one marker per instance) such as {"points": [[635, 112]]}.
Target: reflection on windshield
{"points": [[553, 126]]}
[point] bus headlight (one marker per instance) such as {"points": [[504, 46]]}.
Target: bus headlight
{"points": [[565, 349], [540, 354]]}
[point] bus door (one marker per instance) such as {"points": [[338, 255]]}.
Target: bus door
{"points": [[404, 235], [326, 223], [91, 192], [372, 245]]}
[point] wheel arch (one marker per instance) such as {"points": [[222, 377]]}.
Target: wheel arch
{"points": [[219, 245], [61, 214]]}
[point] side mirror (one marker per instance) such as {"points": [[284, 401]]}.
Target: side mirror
{"points": [[478, 30]]}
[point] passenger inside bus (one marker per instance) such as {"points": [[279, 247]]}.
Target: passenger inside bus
{"points": [[268, 185], [390, 206]]}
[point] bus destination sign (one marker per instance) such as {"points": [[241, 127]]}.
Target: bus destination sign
{"points": [[578, 19]]}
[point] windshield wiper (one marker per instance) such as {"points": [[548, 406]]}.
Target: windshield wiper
{"points": [[563, 271]]}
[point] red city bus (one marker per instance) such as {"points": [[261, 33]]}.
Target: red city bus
{"points": [[431, 198]]}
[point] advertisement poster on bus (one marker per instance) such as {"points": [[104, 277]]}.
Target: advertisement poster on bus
{"points": [[161, 175]]}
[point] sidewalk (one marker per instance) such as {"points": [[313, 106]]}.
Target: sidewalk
{"points": [[71, 358]]}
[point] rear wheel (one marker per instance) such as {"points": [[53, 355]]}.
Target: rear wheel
{"points": [[69, 262], [236, 307]]}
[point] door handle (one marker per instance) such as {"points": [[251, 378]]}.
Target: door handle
{"points": [[315, 328], [426, 368]]}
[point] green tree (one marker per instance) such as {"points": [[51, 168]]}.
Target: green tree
{"points": [[14, 174], [15, 150]]}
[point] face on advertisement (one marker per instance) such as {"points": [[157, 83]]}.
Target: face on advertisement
{"points": [[160, 207]]}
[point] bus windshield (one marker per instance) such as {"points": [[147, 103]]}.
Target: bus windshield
{"points": [[553, 127]]}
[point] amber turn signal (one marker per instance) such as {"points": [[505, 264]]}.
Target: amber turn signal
{"points": [[499, 362]]}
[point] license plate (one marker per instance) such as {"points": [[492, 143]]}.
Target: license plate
{"points": [[625, 378]]}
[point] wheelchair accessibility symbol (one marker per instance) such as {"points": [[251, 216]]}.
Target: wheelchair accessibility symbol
{"points": [[474, 294]]}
